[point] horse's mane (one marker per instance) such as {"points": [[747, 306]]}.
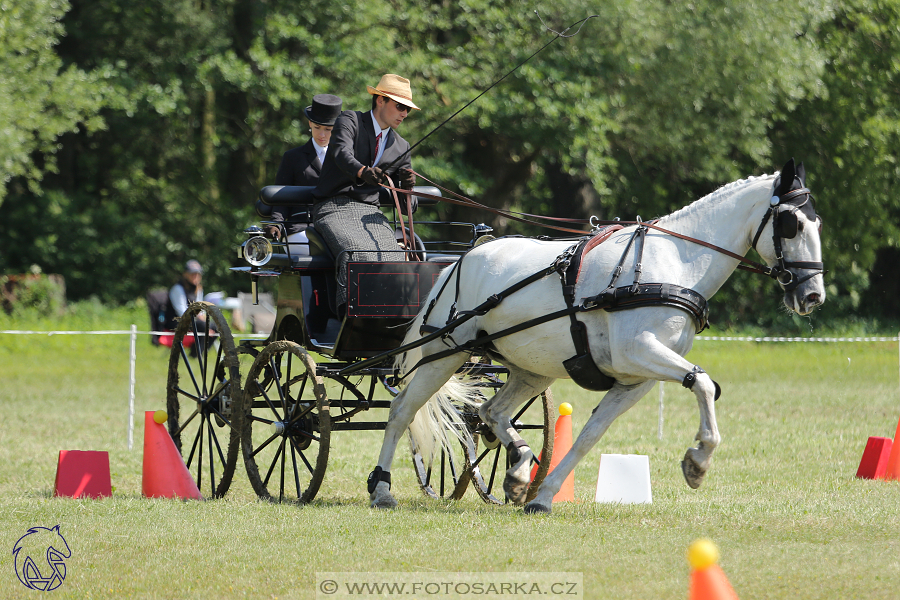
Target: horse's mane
{"points": [[723, 192]]}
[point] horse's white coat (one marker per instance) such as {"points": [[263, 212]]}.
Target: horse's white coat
{"points": [[636, 347]]}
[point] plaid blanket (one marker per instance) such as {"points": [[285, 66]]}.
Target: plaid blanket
{"points": [[354, 231]]}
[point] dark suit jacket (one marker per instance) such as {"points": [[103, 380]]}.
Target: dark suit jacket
{"points": [[351, 147], [299, 166]]}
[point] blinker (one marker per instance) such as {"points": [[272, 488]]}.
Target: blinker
{"points": [[787, 224]]}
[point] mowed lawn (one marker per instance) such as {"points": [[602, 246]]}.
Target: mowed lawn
{"points": [[781, 501]]}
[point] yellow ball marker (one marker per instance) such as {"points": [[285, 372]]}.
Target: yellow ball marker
{"points": [[702, 553], [160, 416], [565, 409]]}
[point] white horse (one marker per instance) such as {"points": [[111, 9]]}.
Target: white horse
{"points": [[635, 347]]}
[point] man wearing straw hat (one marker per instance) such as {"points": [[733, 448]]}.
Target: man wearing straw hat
{"points": [[346, 212]]}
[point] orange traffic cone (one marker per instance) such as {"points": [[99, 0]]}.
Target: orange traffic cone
{"points": [[562, 443], [893, 464], [165, 475], [708, 580]]}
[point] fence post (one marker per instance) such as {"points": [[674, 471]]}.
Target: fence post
{"points": [[131, 390], [659, 431]]}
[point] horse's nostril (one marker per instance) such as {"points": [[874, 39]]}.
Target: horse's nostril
{"points": [[814, 298]]}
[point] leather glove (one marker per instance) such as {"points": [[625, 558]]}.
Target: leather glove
{"points": [[374, 176], [273, 231], [407, 179]]}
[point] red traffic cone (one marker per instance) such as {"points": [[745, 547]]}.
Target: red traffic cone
{"points": [[83, 474], [562, 443], [874, 462], [893, 463], [708, 580], [165, 475]]}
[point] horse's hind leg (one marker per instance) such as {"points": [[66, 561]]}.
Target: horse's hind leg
{"points": [[616, 401], [426, 381], [519, 387]]}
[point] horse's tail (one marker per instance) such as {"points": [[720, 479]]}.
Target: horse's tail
{"points": [[439, 423]]}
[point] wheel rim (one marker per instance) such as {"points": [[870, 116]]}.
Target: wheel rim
{"points": [[203, 388], [286, 424]]}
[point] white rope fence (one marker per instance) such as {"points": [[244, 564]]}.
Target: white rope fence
{"points": [[133, 333]]}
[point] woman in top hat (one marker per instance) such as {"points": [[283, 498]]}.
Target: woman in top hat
{"points": [[303, 166], [365, 149]]}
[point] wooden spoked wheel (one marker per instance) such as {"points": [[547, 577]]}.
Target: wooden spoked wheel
{"points": [[286, 421], [488, 461], [204, 386], [442, 475]]}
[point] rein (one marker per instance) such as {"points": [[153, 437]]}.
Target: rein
{"points": [[744, 263]]}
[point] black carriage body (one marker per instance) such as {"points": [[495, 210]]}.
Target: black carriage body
{"points": [[278, 404], [382, 298]]}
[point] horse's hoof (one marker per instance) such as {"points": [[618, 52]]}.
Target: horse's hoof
{"points": [[382, 498], [515, 490], [533, 508], [693, 474]]}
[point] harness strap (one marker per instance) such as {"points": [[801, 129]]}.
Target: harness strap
{"points": [[494, 300]]}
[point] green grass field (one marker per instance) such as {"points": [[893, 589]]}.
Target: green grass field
{"points": [[781, 501]]}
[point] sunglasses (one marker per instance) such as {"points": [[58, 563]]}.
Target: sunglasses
{"points": [[402, 107]]}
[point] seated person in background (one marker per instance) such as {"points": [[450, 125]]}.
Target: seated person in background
{"points": [[186, 290], [302, 166], [346, 212]]}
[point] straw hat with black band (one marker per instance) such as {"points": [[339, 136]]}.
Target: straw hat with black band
{"points": [[394, 87]]}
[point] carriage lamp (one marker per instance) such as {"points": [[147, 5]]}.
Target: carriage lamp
{"points": [[257, 251]]}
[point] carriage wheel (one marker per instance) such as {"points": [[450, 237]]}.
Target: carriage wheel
{"points": [[286, 424], [204, 384], [444, 476], [487, 462]]}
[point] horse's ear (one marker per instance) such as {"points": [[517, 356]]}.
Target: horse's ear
{"points": [[801, 174], [785, 180]]}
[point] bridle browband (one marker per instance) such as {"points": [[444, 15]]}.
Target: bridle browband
{"points": [[780, 272]]}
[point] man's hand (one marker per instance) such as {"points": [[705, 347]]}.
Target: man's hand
{"points": [[273, 231], [373, 176], [407, 179]]}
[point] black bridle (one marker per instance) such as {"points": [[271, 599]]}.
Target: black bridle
{"points": [[785, 226]]}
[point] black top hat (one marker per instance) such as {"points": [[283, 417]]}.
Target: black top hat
{"points": [[324, 110]]}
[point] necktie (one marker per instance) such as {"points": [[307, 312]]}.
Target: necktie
{"points": [[377, 144]]}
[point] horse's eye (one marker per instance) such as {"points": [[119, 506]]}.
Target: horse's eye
{"points": [[800, 226]]}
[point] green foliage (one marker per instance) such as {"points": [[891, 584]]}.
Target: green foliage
{"points": [[648, 107], [40, 98]]}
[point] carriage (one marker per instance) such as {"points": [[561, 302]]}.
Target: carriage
{"points": [[278, 403]]}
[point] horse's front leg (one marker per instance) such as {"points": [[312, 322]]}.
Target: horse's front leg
{"points": [[697, 460], [616, 401], [426, 381], [520, 387]]}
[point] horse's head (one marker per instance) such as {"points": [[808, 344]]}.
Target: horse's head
{"points": [[788, 239]]}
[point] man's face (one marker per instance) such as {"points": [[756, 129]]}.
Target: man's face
{"points": [[390, 113], [321, 133]]}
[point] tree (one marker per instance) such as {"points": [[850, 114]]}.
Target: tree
{"points": [[39, 99]]}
